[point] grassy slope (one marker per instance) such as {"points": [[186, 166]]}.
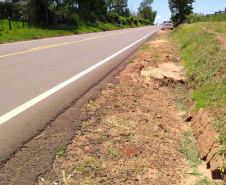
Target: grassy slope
{"points": [[31, 32], [208, 18], [204, 57]]}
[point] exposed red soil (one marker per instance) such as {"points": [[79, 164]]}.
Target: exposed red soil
{"points": [[132, 132]]}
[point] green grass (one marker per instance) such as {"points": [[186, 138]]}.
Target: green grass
{"points": [[89, 166], [204, 58], [37, 32], [188, 148], [212, 93], [218, 28], [203, 181], [208, 18], [60, 151], [114, 153], [92, 103], [4, 25], [182, 96], [145, 47]]}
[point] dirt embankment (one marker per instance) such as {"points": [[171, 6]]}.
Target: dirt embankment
{"points": [[208, 142], [132, 131]]}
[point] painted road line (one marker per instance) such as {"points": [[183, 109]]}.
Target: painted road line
{"points": [[41, 97], [64, 43], [48, 46]]}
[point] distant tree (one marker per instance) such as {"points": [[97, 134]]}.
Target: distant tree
{"points": [[180, 8], [145, 3], [145, 10], [127, 12], [121, 7], [110, 5]]}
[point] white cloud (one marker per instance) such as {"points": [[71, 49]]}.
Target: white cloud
{"points": [[158, 17]]}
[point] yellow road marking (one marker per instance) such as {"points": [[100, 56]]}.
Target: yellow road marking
{"points": [[14, 53], [64, 43], [91, 38], [48, 46]]}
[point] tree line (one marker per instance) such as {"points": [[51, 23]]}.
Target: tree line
{"points": [[76, 11]]}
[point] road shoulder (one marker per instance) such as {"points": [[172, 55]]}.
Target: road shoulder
{"points": [[132, 131]]}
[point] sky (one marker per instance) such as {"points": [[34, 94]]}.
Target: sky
{"points": [[163, 12]]}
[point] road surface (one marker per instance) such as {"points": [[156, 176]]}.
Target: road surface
{"points": [[41, 78]]}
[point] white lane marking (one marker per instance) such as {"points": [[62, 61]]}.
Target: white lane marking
{"points": [[44, 95]]}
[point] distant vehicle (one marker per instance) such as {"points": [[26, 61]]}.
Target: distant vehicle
{"points": [[167, 25]]}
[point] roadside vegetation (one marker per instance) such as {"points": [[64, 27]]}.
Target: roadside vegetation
{"points": [[55, 18], [203, 47], [188, 148], [192, 18], [204, 55], [37, 32]]}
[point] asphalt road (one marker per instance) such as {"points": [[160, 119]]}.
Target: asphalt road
{"points": [[39, 79]]}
